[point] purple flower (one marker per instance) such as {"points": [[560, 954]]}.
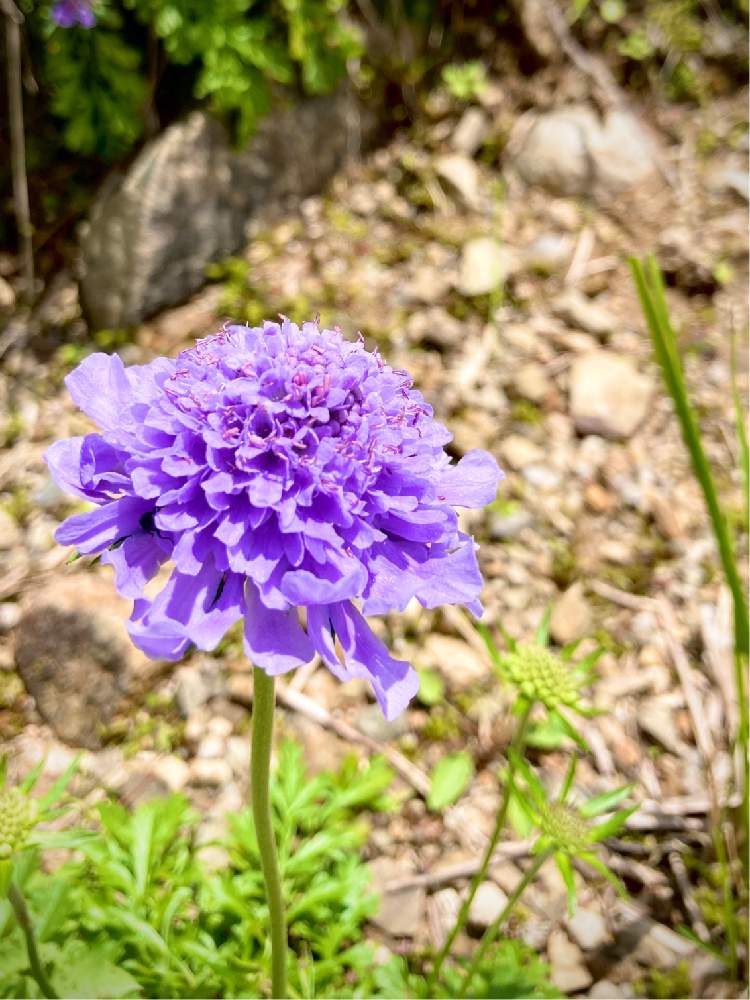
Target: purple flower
{"points": [[278, 469], [68, 13]]}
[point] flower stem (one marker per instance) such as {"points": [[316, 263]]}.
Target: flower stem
{"points": [[263, 704], [491, 932], [21, 911], [479, 877]]}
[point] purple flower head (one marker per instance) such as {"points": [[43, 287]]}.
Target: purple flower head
{"points": [[277, 468], [68, 13]]}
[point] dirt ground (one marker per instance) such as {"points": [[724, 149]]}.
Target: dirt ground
{"points": [[513, 308]]}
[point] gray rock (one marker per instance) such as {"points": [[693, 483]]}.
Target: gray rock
{"points": [[571, 616], [532, 382], [10, 615], [581, 313], [519, 452], [506, 527], [427, 285], [460, 664], [211, 771], [569, 151], [173, 771], [371, 721], [192, 690], [188, 196], [400, 912], [436, 327], [623, 152], [608, 396], [485, 264], [731, 180], [75, 657], [554, 153], [7, 295], [548, 253], [605, 989], [470, 132], [588, 929], [542, 476], [461, 174], [487, 905], [568, 971]]}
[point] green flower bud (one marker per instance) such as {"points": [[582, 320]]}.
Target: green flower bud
{"points": [[17, 816], [565, 826], [542, 676]]}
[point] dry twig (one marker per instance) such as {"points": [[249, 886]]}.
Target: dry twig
{"points": [[300, 702]]}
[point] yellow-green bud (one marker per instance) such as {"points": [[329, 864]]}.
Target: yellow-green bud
{"points": [[17, 815], [565, 826], [542, 676]]}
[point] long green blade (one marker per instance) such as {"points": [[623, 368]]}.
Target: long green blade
{"points": [[650, 288]]}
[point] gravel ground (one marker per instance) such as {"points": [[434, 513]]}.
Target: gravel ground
{"points": [[512, 307]]}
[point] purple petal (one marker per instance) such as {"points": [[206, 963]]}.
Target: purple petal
{"points": [[99, 528], [472, 482], [394, 682], [100, 387], [136, 562], [274, 640], [197, 609]]}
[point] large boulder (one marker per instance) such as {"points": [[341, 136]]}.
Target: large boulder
{"points": [[75, 658], [188, 196], [571, 151]]}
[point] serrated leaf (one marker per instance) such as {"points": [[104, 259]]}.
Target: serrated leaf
{"points": [[450, 779]]}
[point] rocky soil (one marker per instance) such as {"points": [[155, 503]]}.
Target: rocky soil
{"points": [[484, 249]]}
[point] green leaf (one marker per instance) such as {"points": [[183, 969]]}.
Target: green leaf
{"points": [[547, 734], [143, 830], [612, 825], [58, 789], [450, 779], [541, 636], [741, 430], [650, 286], [599, 866], [94, 976], [565, 867], [431, 687], [605, 802]]}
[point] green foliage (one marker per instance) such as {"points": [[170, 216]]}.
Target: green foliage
{"points": [[510, 970], [97, 87], [103, 82], [650, 285], [431, 687], [465, 81], [565, 831], [668, 38], [138, 912], [450, 779]]}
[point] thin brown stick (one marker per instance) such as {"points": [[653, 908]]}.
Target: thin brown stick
{"points": [[13, 21], [679, 871], [511, 851], [300, 702]]}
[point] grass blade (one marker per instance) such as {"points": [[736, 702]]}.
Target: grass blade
{"points": [[650, 288]]}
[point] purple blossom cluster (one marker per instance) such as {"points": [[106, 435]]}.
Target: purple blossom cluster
{"points": [[278, 468], [69, 13]]}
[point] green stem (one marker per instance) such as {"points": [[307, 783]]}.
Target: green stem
{"points": [[481, 873], [260, 766], [489, 935], [21, 911]]}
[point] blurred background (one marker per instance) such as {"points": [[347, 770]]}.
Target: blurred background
{"points": [[462, 182]]}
